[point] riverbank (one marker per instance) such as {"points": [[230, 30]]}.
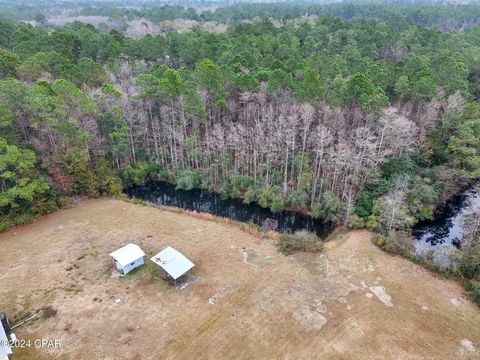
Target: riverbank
{"points": [[350, 301]]}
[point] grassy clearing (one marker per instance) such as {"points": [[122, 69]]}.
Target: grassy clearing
{"points": [[266, 305]]}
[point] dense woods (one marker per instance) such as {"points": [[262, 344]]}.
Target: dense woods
{"points": [[370, 121]]}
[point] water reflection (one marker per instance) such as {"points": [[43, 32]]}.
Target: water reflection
{"points": [[162, 193], [447, 227]]}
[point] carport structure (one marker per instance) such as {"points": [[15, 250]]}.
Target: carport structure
{"points": [[173, 262]]}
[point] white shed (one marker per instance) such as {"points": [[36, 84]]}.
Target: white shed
{"points": [[5, 348], [128, 258], [173, 262]]}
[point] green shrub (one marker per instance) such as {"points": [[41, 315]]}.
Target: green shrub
{"points": [[62, 200], [469, 264], [134, 174], [277, 204], [240, 184], [299, 241], [6, 223], [224, 190], [141, 172], [250, 195], [266, 196], [77, 164], [108, 182], [298, 198], [139, 201], [397, 242], [372, 223], [356, 222], [386, 245], [473, 289], [330, 208], [24, 219], [380, 240], [45, 204], [188, 179]]}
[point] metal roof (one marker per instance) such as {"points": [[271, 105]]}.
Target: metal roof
{"points": [[4, 348], [127, 254], [173, 262]]}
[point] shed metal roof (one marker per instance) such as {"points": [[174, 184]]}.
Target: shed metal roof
{"points": [[173, 262], [4, 348], [127, 254]]}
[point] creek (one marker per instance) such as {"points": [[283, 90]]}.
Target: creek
{"points": [[163, 193]]}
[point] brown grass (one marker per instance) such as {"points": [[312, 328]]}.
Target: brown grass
{"points": [[265, 305]]}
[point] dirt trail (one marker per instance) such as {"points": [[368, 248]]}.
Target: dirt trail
{"points": [[249, 302]]}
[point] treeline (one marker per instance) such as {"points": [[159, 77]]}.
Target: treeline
{"points": [[356, 121], [444, 17], [33, 10], [440, 16], [155, 13], [437, 15]]}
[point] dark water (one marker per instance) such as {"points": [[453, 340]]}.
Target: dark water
{"points": [[162, 193], [446, 229]]}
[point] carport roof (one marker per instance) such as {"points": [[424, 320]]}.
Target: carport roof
{"points": [[173, 262]]}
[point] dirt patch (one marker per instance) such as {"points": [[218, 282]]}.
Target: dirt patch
{"points": [[221, 293], [249, 301], [48, 312], [381, 294]]}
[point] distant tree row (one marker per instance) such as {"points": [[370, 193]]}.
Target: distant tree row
{"points": [[441, 16]]}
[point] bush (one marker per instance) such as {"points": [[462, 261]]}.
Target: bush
{"points": [[62, 201], [277, 204], [224, 190], [473, 289], [330, 208], [250, 195], [397, 242], [24, 219], [6, 223], [108, 182], [469, 265], [356, 222], [77, 163], [240, 184], [267, 195], [298, 198], [372, 223], [45, 204], [9, 221], [188, 179], [299, 241], [386, 245], [139, 173]]}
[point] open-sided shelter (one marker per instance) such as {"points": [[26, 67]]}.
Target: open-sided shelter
{"points": [[173, 262], [128, 258]]}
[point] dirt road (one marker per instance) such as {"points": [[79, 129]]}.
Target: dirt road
{"points": [[249, 302]]}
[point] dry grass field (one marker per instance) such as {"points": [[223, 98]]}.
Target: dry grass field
{"points": [[249, 301]]}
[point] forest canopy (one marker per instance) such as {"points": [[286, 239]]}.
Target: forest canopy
{"points": [[358, 115]]}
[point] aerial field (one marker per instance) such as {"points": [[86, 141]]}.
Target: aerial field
{"points": [[352, 301]]}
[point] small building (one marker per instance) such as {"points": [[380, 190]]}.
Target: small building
{"points": [[5, 338], [128, 258], [173, 262]]}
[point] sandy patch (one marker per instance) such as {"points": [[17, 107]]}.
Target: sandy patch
{"points": [[382, 295]]}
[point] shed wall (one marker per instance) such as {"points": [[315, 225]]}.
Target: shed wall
{"points": [[127, 268]]}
